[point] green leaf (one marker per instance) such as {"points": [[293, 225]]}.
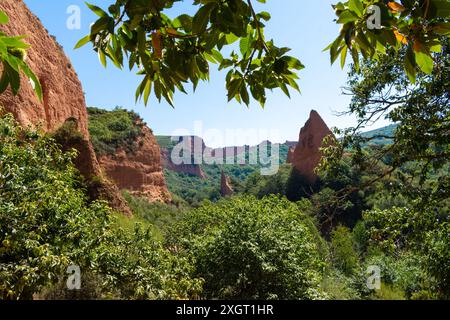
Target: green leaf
{"points": [[293, 63], [147, 90], [264, 15], [356, 6], [83, 42], [410, 64], [425, 62], [231, 38], [343, 56], [102, 58], [245, 46], [3, 18], [98, 11], [36, 84], [201, 19], [347, 16], [244, 95]]}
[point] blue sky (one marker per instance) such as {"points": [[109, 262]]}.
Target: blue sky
{"points": [[305, 26]]}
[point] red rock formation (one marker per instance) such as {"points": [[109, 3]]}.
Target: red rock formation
{"points": [[225, 186], [193, 146], [291, 144], [63, 96], [307, 154], [191, 169], [140, 171]]}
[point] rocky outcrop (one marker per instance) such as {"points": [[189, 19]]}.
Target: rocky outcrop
{"points": [[225, 186], [194, 148], [63, 97], [307, 154], [291, 144], [139, 171], [190, 169]]}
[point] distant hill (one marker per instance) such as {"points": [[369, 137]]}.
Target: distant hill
{"points": [[194, 188], [383, 132], [191, 182], [195, 183]]}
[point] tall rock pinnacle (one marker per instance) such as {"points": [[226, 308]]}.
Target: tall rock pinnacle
{"points": [[225, 186], [307, 155]]}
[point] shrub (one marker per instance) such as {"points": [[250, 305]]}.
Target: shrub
{"points": [[403, 272], [423, 231], [246, 248], [161, 215], [43, 216], [111, 130], [46, 225], [344, 255]]}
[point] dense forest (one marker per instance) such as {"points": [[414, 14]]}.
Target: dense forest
{"points": [[271, 240], [378, 212]]}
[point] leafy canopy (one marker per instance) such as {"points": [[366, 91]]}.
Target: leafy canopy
{"points": [[46, 224], [416, 25], [245, 248], [169, 52]]}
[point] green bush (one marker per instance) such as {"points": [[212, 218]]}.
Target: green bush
{"points": [[46, 225], [261, 186], [43, 216], [403, 272], [437, 249], [360, 237], [338, 286], [160, 215], [111, 130], [344, 255], [245, 248]]}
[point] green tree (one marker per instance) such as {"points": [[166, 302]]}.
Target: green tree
{"points": [[246, 248], [12, 58], [420, 142], [43, 216], [423, 232], [414, 26], [46, 224], [344, 255], [169, 52]]}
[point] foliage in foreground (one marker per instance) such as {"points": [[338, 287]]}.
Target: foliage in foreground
{"points": [[12, 59], [111, 130], [245, 248], [172, 52]]}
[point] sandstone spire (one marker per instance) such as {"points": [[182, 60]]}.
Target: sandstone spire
{"points": [[225, 186], [307, 155]]}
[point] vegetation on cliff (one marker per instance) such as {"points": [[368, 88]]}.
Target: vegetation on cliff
{"points": [[112, 130]]}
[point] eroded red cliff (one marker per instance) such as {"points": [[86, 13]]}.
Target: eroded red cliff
{"points": [[225, 186], [307, 155], [63, 97], [139, 171]]}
